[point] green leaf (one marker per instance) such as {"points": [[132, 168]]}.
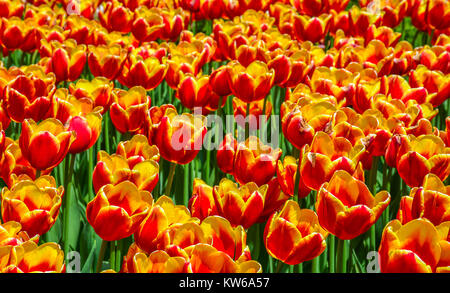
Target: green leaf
{"points": [[88, 265]]}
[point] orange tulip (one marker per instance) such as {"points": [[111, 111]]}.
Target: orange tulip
{"points": [[255, 162], [251, 83], [20, 34], [294, 235], [67, 60], [31, 258], [11, 234], [28, 96], [129, 108], [11, 8], [431, 200], [87, 130], [179, 138], [113, 169], [346, 208], [117, 210], [202, 203], [45, 144], [195, 91], [241, 206], [409, 248], [159, 262], [325, 156], [34, 204], [311, 29], [421, 155], [147, 25], [13, 162], [138, 71], [219, 82], [205, 258], [105, 60], [116, 17], [434, 82], [162, 215], [286, 174], [226, 154], [137, 150], [98, 90]]}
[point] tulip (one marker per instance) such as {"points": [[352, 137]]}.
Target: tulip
{"points": [[422, 155], [325, 156], [286, 174], [137, 150], [106, 61], [255, 162], [98, 90], [13, 162], [431, 200], [195, 91], [346, 208], [11, 8], [159, 262], [67, 60], [162, 215], [294, 235], [31, 258], [226, 154], [433, 82], [147, 25], [20, 34], [11, 234], [251, 83], [115, 169], [138, 71], [117, 210], [409, 248], [219, 81], [219, 233], [202, 203], [205, 258], [34, 204], [241, 206], [45, 144], [175, 20], [87, 129], [28, 96], [179, 137], [116, 17], [311, 29], [129, 108]]}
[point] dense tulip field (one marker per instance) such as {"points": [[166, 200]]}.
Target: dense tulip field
{"points": [[225, 136]]}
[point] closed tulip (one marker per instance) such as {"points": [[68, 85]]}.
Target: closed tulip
{"points": [[117, 210], [45, 144], [202, 203], [346, 208], [293, 235]]}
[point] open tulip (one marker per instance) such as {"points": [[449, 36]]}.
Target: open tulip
{"points": [[159, 262], [293, 235], [11, 234], [113, 169], [346, 208], [31, 258], [117, 210], [45, 144], [286, 174], [99, 90], [410, 248], [137, 150], [34, 204]]}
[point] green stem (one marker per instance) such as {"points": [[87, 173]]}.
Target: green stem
{"points": [[280, 265], [106, 132], [331, 254], [186, 184], [90, 170], [170, 178], [316, 265], [247, 123], [112, 256], [101, 255], [297, 177], [342, 256], [67, 198]]}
